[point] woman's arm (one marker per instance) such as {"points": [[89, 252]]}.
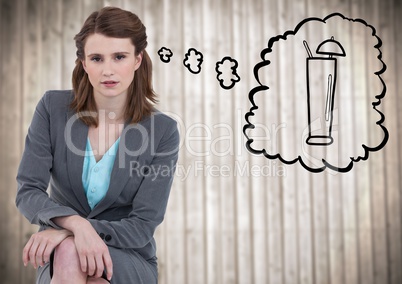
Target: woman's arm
{"points": [[35, 170], [92, 251]]}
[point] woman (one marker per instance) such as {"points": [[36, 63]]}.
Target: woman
{"points": [[109, 158]]}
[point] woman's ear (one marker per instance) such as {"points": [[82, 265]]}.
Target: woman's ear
{"points": [[138, 60], [84, 65]]}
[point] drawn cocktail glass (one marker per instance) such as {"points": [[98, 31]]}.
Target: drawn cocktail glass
{"points": [[321, 81]]}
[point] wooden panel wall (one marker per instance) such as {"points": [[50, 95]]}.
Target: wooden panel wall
{"points": [[223, 224]]}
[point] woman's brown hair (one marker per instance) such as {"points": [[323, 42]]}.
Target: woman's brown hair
{"points": [[117, 23]]}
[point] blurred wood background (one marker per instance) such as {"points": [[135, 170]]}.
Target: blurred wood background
{"points": [[289, 226]]}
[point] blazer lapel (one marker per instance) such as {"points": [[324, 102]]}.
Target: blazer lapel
{"points": [[75, 135], [131, 146]]}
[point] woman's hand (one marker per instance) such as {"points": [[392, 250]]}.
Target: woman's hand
{"points": [[41, 244], [92, 251]]}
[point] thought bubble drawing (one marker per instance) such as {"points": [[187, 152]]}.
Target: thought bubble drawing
{"points": [[319, 95], [226, 70], [165, 54], [193, 60]]}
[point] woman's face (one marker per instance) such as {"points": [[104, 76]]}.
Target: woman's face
{"points": [[110, 64]]}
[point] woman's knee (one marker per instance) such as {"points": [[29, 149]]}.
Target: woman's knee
{"points": [[66, 264], [66, 254]]}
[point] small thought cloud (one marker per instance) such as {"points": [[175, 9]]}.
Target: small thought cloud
{"points": [[193, 60], [165, 54], [226, 70]]}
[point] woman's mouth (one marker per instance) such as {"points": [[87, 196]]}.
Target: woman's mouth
{"points": [[109, 84]]}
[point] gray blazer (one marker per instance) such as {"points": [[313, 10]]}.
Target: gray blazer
{"points": [[140, 183]]}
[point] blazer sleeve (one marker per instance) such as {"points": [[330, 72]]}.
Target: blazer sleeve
{"points": [[149, 204], [35, 170]]}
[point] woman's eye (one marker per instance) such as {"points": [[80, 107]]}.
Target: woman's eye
{"points": [[96, 59], [120, 57]]}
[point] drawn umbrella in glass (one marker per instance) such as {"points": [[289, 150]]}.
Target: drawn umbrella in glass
{"points": [[321, 81]]}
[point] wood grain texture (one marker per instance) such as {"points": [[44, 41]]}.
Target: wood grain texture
{"points": [[232, 217], [11, 88]]}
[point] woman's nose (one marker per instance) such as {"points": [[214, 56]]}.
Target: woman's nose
{"points": [[107, 69]]}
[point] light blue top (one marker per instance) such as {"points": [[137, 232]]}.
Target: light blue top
{"points": [[96, 175]]}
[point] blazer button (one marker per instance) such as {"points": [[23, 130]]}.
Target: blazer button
{"points": [[108, 238], [102, 235]]}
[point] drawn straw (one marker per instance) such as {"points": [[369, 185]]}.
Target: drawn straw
{"points": [[310, 55]]}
